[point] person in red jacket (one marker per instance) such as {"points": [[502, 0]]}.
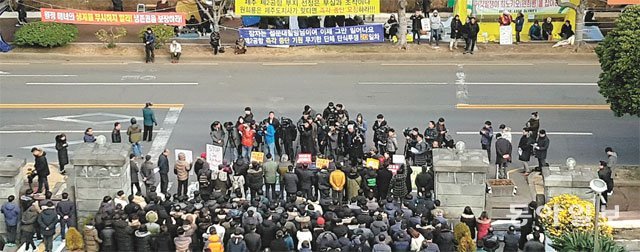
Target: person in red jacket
{"points": [[248, 136]]}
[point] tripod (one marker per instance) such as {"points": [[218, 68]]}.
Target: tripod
{"points": [[231, 142]]}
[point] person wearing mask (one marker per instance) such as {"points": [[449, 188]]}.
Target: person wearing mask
{"points": [[540, 147], [486, 134], [63, 156], [163, 170], [11, 212], [456, 33], [436, 26], [149, 45], [135, 136], [535, 31], [149, 121], [566, 32], [41, 168], [115, 133], [391, 27], [176, 50], [547, 29], [416, 26], [472, 35], [519, 25], [88, 136], [181, 169]]}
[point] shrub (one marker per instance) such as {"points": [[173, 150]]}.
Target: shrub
{"points": [[163, 33], [45, 34], [583, 241], [462, 235], [568, 213], [74, 240], [110, 38]]}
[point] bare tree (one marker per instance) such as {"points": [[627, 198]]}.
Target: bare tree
{"points": [[215, 13], [580, 10], [402, 19]]}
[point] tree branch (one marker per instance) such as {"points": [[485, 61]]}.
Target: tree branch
{"points": [[567, 4]]}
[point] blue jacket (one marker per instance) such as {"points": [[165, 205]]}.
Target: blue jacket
{"points": [[270, 136], [519, 23], [486, 136], [149, 116], [11, 212], [150, 37]]}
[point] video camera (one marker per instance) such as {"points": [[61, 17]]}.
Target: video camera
{"points": [[407, 132], [228, 126], [285, 122]]}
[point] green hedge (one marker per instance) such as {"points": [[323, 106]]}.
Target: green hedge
{"points": [[163, 33], [43, 34]]}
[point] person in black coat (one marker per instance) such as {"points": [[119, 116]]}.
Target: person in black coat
{"points": [[604, 173], [143, 240], [423, 180], [472, 29], [566, 30], [469, 218], [61, 147], [525, 150], [416, 26], [115, 133], [383, 181], [278, 244], [541, 147], [215, 42], [253, 240], [117, 5], [503, 155], [108, 238], [42, 168], [123, 234], [456, 32], [163, 241]]}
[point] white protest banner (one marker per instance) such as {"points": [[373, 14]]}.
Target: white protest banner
{"points": [[214, 156], [505, 35], [187, 153], [398, 159]]}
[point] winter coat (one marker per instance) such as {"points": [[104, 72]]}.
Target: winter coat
{"points": [[91, 239], [605, 174], [61, 147], [503, 148], [436, 22], [487, 136], [323, 180], [217, 135], [47, 221], [270, 172], [519, 23], [456, 33], [182, 243], [237, 244], [511, 242], [381, 247], [41, 165], [470, 220], [535, 30], [446, 241], [399, 185], [143, 241], [278, 245], [306, 178], [253, 242], [473, 30], [533, 246], [290, 182], [270, 135], [11, 212], [163, 164], [421, 156], [254, 179], [416, 22], [134, 169], [248, 137], [337, 180], [108, 237], [163, 242], [384, 179], [424, 181], [89, 138], [483, 228], [149, 118], [353, 185], [182, 169], [123, 235], [135, 133], [543, 146], [147, 172], [67, 208], [215, 245], [115, 136], [29, 220], [525, 148], [547, 28]]}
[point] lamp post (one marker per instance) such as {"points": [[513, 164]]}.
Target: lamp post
{"points": [[598, 186]]}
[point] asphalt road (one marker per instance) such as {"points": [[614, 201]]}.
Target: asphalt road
{"points": [[408, 95]]}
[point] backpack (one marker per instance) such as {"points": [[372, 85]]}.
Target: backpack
{"points": [[222, 176], [203, 179]]}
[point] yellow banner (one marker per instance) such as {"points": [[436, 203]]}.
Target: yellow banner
{"points": [[306, 7], [373, 163], [322, 163], [257, 157]]}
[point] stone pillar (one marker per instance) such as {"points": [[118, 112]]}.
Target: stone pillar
{"points": [[98, 171], [561, 180], [11, 179], [460, 180]]}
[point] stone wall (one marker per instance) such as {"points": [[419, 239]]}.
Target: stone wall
{"points": [[11, 179], [460, 180], [98, 171], [561, 180]]}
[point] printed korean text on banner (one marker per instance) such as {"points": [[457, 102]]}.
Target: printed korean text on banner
{"points": [[214, 156], [505, 35], [322, 163], [111, 17], [306, 7], [535, 7], [398, 159], [257, 156], [319, 36], [394, 169], [373, 163], [304, 158], [187, 154]]}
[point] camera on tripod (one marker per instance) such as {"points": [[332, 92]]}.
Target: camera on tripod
{"points": [[228, 126], [407, 132]]}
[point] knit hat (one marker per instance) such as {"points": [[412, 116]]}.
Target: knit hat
{"points": [[151, 216], [320, 221]]}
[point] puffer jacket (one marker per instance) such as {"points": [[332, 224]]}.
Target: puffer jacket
{"points": [[47, 221], [182, 169], [143, 241], [91, 239], [11, 212], [28, 221], [108, 237], [182, 243], [254, 178], [237, 244], [123, 235], [214, 244]]}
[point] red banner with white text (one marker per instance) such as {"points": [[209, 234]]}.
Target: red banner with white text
{"points": [[111, 17]]}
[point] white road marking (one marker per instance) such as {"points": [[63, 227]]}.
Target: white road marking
{"points": [[535, 83], [162, 138], [95, 63], [14, 63], [194, 64], [497, 64], [53, 131], [520, 133], [402, 83], [418, 64], [111, 118], [583, 64], [50, 147], [38, 75], [113, 83], [290, 64]]}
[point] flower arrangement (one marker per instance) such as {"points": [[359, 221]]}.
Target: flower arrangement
{"points": [[568, 213]]}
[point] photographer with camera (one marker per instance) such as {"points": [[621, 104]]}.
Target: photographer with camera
{"points": [[430, 133], [411, 139], [289, 134], [340, 109], [380, 134], [322, 136], [354, 142], [217, 134], [248, 138], [330, 114]]}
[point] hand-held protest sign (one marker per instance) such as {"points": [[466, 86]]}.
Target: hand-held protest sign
{"points": [[257, 157], [304, 158], [322, 163], [373, 163], [111, 17], [214, 156]]}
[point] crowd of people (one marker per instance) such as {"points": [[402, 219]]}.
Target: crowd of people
{"points": [[279, 204]]}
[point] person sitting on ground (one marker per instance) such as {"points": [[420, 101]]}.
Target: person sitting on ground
{"points": [[547, 29], [535, 32], [176, 50], [566, 30], [192, 24], [241, 46]]}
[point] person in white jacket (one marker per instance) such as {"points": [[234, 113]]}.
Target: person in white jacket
{"points": [[304, 235], [176, 50], [436, 26]]}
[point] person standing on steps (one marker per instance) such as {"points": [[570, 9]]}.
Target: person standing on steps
{"points": [[149, 121], [149, 45], [61, 147], [11, 212], [41, 168], [541, 146]]}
